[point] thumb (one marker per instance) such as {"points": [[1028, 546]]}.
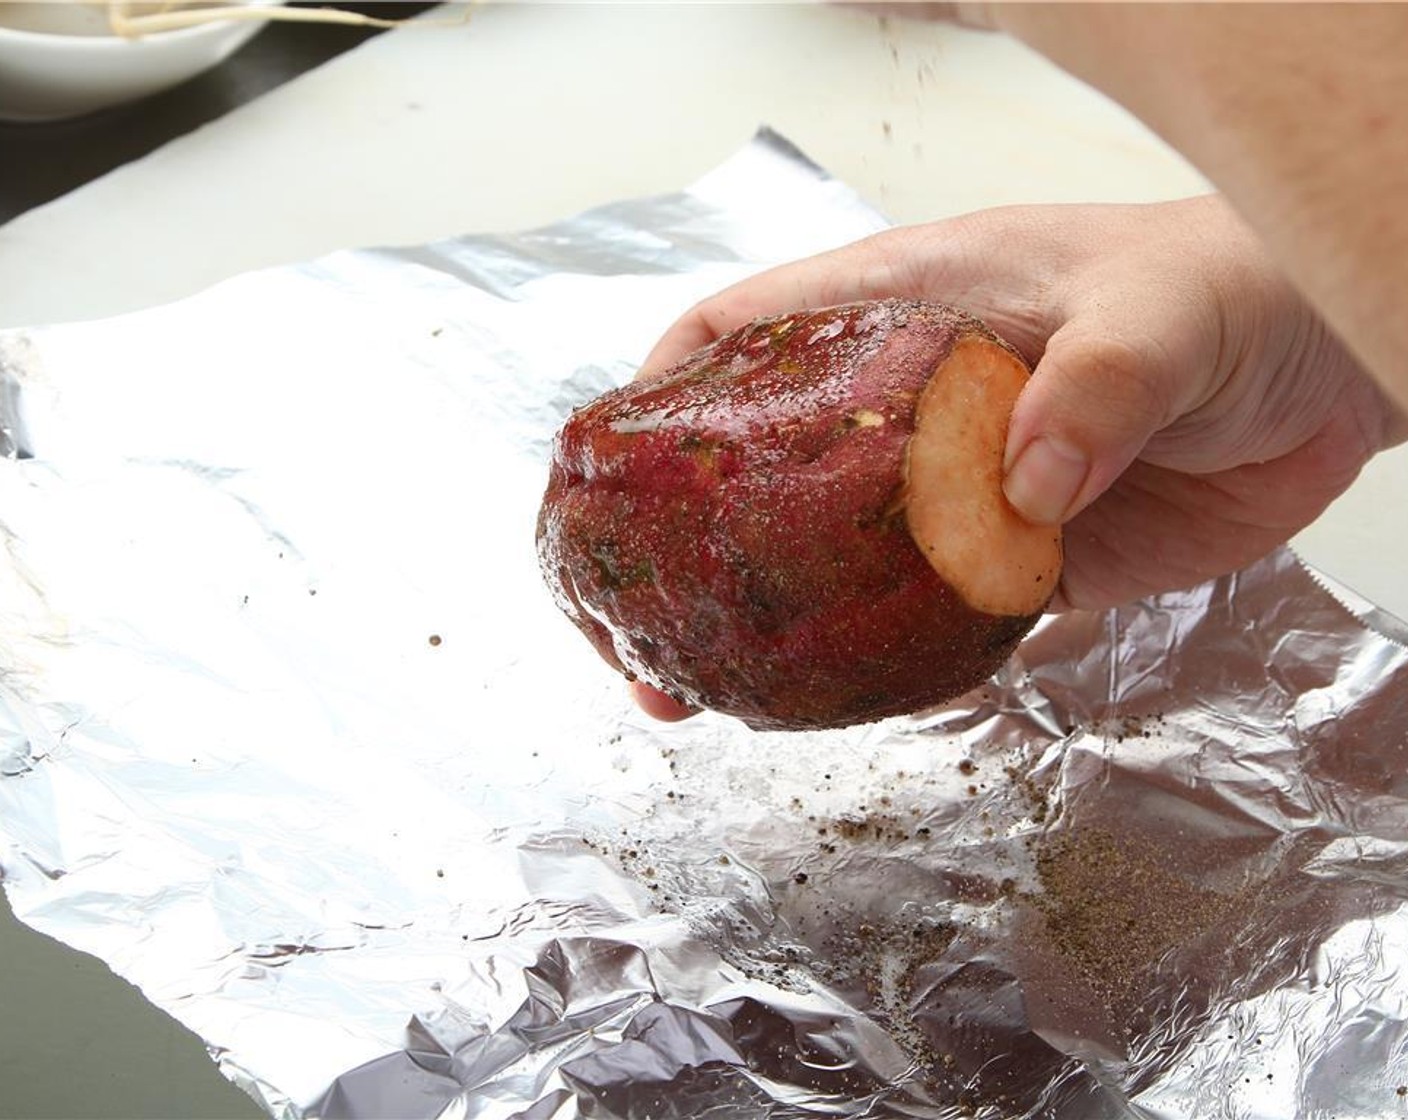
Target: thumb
{"points": [[1087, 412]]}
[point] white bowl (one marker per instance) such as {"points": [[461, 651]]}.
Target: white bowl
{"points": [[61, 60]]}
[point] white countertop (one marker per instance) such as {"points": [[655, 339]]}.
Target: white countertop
{"points": [[529, 112]]}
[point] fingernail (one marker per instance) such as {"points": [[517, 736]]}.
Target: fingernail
{"points": [[1044, 481]]}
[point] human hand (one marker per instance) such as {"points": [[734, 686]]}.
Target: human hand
{"points": [[1298, 114], [1188, 412]]}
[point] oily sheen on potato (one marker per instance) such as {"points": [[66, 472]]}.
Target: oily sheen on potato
{"points": [[802, 524]]}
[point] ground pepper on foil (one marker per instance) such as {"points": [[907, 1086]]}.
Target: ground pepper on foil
{"points": [[1113, 912]]}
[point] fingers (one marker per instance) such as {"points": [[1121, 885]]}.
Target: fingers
{"points": [[1107, 379], [657, 704], [998, 265], [684, 337], [874, 268], [1091, 406]]}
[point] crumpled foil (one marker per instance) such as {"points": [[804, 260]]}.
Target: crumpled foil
{"points": [[292, 736]]}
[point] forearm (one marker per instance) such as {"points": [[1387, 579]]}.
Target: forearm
{"points": [[1299, 114]]}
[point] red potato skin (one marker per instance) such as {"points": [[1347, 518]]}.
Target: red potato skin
{"points": [[733, 532]]}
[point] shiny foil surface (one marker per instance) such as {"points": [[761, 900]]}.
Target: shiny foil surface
{"points": [[292, 736]]}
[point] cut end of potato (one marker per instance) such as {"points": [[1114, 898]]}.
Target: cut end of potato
{"points": [[998, 562]]}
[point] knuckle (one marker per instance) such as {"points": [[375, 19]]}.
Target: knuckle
{"points": [[1117, 377], [875, 267]]}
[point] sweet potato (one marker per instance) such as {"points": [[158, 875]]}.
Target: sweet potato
{"points": [[803, 524]]}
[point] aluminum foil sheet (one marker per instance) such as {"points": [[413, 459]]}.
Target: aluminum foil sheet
{"points": [[292, 737]]}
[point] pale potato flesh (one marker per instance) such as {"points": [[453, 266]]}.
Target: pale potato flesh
{"points": [[957, 514]]}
